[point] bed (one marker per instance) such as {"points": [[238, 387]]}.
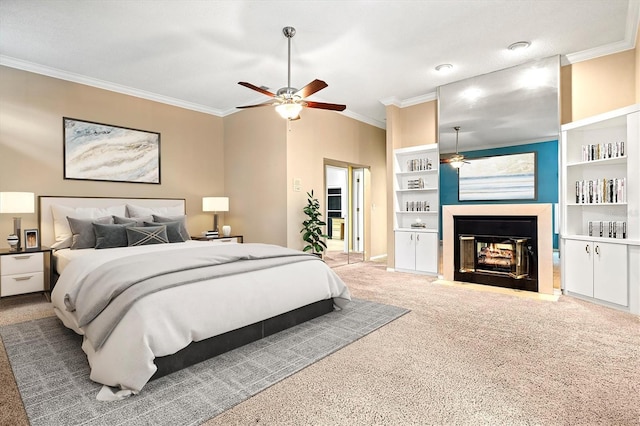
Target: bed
{"points": [[152, 309]]}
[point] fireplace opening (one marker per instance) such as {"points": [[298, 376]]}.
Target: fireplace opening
{"points": [[499, 251]]}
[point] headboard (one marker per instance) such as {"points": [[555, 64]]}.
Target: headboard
{"points": [[47, 236]]}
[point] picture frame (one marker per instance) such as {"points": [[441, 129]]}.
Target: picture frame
{"points": [[105, 152], [31, 239], [499, 178]]}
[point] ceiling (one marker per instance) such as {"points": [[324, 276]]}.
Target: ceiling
{"points": [[192, 53]]}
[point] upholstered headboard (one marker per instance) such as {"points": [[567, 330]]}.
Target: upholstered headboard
{"points": [[47, 235]]}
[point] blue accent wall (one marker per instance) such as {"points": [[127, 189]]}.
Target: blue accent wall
{"points": [[547, 164]]}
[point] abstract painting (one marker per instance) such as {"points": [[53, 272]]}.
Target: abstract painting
{"points": [[502, 177], [95, 151]]}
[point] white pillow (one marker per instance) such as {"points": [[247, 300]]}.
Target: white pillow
{"points": [[137, 211], [61, 227]]}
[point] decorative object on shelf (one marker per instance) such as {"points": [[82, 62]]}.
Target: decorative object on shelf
{"points": [[418, 223], [31, 239], [501, 177], [226, 230], [607, 229], [312, 226], [287, 100], [602, 151], [17, 202], [419, 165], [13, 239], [215, 205], [415, 183], [601, 191], [103, 152]]}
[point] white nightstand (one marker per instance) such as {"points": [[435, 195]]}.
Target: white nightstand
{"points": [[220, 240], [25, 271]]}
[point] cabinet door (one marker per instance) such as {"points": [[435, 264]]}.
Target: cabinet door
{"points": [[427, 252], [578, 267], [405, 250], [610, 273]]}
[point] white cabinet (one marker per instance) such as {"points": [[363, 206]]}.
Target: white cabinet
{"points": [[416, 201], [416, 252], [597, 270], [600, 207], [23, 272]]}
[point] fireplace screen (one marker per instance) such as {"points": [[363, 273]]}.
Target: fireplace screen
{"points": [[494, 255]]}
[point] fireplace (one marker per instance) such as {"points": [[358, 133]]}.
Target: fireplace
{"points": [[496, 250]]}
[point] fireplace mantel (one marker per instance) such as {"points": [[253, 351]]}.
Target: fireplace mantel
{"points": [[543, 212]]}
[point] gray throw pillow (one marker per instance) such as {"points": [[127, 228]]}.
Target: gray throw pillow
{"points": [[82, 235], [142, 236], [173, 230], [137, 221], [110, 236], [183, 224]]}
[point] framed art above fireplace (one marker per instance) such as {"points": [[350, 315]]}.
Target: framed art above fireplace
{"points": [[500, 177]]}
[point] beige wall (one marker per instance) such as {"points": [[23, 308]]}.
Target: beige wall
{"points": [[325, 136], [599, 85], [255, 158], [31, 157], [637, 77]]}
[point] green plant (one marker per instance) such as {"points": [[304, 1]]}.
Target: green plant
{"points": [[312, 227]]}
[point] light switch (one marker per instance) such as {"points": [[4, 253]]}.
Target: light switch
{"points": [[297, 184]]}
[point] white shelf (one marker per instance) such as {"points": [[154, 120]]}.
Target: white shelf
{"points": [[595, 204], [604, 161], [417, 190], [417, 172], [423, 212]]}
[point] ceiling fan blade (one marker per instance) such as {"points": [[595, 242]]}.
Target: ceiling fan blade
{"points": [[311, 88], [257, 89], [323, 105], [268, 103]]}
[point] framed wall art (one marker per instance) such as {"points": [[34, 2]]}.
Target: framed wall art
{"points": [[103, 152], [501, 177]]}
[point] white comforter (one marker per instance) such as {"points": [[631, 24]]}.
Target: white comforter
{"points": [[162, 323]]}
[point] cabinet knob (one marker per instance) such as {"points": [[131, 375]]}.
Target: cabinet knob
{"points": [[586, 248], [598, 250], [418, 237]]}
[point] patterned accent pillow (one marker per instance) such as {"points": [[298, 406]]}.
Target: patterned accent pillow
{"points": [[82, 235], [183, 224], [142, 236], [173, 230], [110, 236]]}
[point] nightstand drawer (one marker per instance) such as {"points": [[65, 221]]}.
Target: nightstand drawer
{"points": [[20, 263], [224, 240], [21, 283]]}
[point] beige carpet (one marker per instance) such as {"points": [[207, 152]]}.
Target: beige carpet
{"points": [[462, 356]]}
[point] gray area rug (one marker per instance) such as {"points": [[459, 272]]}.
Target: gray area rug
{"points": [[52, 372]]}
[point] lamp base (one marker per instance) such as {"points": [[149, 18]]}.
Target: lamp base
{"points": [[16, 231]]}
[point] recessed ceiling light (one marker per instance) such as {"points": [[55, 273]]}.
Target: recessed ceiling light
{"points": [[444, 67], [519, 45]]}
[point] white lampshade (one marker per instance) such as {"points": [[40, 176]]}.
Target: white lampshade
{"points": [[17, 202], [456, 164], [215, 204], [289, 110]]}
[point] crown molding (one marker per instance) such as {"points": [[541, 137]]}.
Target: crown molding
{"points": [[101, 84]]}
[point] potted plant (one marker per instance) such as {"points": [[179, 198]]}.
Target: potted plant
{"points": [[312, 227]]}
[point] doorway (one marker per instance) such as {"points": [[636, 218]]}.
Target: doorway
{"points": [[345, 218]]}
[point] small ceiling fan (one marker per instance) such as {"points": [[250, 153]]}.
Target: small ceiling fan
{"points": [[288, 100], [456, 160]]}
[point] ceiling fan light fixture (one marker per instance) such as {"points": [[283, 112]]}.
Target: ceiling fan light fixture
{"points": [[519, 45], [289, 110], [456, 161], [456, 164]]}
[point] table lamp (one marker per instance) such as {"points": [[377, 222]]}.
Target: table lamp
{"points": [[17, 202], [215, 205]]}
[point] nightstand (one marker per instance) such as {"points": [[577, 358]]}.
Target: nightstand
{"points": [[25, 271], [220, 240]]}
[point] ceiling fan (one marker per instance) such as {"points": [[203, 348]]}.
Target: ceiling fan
{"points": [[288, 100], [456, 160]]}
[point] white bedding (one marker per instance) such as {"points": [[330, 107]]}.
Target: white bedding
{"points": [[162, 323]]}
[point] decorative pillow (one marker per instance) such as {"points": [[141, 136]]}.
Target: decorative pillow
{"points": [[137, 221], [182, 219], [110, 236], [142, 236], [138, 211], [61, 224], [173, 230], [82, 231]]}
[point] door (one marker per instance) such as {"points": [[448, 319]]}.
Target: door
{"points": [[610, 273], [356, 252], [578, 267], [427, 252], [337, 215], [405, 250]]}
